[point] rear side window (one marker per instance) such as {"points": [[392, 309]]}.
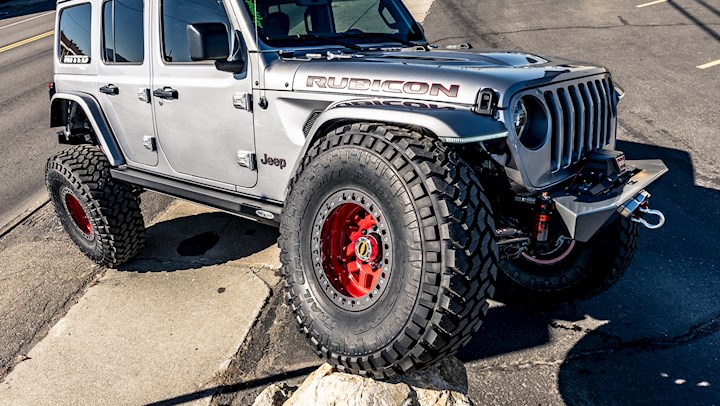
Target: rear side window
{"points": [[75, 34], [177, 15], [123, 40]]}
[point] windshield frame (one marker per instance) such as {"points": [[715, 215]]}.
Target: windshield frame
{"points": [[263, 44]]}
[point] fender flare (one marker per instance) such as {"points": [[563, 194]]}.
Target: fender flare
{"points": [[104, 135], [452, 124]]}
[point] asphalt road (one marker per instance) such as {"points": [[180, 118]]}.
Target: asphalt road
{"points": [[26, 141], [653, 338]]}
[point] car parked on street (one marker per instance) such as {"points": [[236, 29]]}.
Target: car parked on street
{"points": [[409, 182]]}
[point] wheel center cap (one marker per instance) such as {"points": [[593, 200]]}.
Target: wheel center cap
{"points": [[364, 248]]}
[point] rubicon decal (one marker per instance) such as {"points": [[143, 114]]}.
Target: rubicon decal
{"points": [[385, 86], [392, 103]]}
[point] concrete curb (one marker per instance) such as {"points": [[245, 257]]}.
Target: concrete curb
{"points": [[7, 228], [162, 328]]}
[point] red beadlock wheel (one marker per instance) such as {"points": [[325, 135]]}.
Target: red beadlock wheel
{"points": [[387, 249], [351, 250], [101, 215], [353, 246], [78, 214]]}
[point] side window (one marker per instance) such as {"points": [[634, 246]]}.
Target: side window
{"points": [[123, 40], [177, 15], [75, 34]]}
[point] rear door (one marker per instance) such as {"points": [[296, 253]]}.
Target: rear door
{"points": [[124, 78], [201, 128]]}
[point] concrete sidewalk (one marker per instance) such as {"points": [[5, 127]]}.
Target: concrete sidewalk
{"points": [[419, 8], [162, 327]]}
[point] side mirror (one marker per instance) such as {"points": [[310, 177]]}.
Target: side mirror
{"points": [[208, 42]]}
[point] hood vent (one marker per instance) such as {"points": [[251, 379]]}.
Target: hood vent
{"points": [[311, 121]]}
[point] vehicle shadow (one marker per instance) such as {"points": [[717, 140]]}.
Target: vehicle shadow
{"points": [[654, 337], [199, 240], [659, 340], [695, 20], [660, 344], [19, 8]]}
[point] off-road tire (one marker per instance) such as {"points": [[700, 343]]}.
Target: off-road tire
{"points": [[444, 255], [114, 231], [590, 269]]}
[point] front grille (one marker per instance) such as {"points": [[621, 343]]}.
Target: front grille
{"points": [[582, 118]]}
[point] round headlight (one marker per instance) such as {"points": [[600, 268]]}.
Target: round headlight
{"points": [[520, 118], [531, 122]]}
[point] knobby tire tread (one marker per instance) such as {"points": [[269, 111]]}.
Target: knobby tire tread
{"points": [[113, 205], [454, 214]]}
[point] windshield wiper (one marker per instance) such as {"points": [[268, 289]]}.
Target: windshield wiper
{"points": [[379, 35], [331, 39]]}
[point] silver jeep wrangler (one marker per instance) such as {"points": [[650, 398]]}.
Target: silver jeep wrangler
{"points": [[409, 183]]}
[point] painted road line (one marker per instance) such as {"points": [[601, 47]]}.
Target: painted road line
{"points": [[652, 3], [709, 64], [27, 41], [26, 20]]}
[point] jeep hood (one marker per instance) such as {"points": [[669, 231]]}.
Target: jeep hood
{"points": [[441, 76]]}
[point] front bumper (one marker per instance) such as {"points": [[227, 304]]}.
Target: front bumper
{"points": [[584, 218]]}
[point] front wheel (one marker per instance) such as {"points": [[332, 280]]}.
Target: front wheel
{"points": [[568, 270], [387, 250]]}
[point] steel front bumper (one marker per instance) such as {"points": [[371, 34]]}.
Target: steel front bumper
{"points": [[584, 218]]}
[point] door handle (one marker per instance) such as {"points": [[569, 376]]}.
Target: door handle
{"points": [[167, 93], [110, 89]]}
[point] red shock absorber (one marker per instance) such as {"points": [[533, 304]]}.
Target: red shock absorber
{"points": [[543, 209]]}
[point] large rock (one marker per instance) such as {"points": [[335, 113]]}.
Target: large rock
{"points": [[442, 385], [275, 395]]}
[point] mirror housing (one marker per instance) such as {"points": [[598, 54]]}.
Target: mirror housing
{"points": [[208, 41]]}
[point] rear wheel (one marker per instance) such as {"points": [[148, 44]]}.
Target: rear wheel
{"points": [[101, 215], [567, 270], [387, 250]]}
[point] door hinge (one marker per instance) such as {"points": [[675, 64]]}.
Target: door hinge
{"points": [[144, 94], [246, 159], [242, 101], [149, 142]]}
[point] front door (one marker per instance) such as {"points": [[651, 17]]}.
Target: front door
{"points": [[199, 128], [124, 78]]}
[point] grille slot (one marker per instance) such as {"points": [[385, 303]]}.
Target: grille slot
{"points": [[582, 119]]}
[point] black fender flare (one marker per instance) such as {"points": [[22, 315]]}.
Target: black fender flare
{"points": [[452, 124], [104, 135]]}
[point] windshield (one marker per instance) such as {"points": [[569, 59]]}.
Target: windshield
{"points": [[284, 23]]}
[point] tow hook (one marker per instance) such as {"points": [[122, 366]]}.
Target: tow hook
{"points": [[637, 208], [639, 218]]}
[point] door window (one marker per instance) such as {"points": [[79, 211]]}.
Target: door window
{"points": [[74, 46], [177, 15], [123, 40]]}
